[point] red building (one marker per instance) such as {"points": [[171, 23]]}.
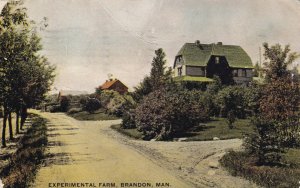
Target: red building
{"points": [[114, 84]]}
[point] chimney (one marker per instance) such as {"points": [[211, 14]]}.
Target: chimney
{"points": [[220, 43]]}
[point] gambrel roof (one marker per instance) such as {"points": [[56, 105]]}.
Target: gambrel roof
{"points": [[199, 54]]}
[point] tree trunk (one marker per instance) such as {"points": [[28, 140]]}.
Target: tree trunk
{"points": [[11, 136], [23, 116], [17, 121], [4, 128]]}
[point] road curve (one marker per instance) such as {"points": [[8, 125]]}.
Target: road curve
{"points": [[81, 152]]}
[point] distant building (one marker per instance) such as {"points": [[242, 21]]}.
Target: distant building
{"points": [[200, 62], [65, 93], [115, 85]]}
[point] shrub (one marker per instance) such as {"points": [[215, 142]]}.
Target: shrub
{"points": [[92, 105], [54, 108], [265, 143], [163, 113], [243, 164], [106, 96], [232, 98], [128, 119], [64, 104]]}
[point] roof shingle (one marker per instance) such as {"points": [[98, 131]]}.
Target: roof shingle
{"points": [[199, 54]]}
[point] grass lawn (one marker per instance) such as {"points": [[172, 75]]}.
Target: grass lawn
{"points": [[97, 115], [293, 156], [217, 127], [133, 133]]}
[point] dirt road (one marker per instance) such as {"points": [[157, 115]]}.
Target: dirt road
{"points": [[81, 152], [91, 152]]}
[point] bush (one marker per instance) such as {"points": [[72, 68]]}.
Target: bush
{"points": [[164, 113], [74, 110], [54, 108], [265, 143], [64, 104], [128, 119], [232, 98], [243, 164], [106, 96], [92, 104]]}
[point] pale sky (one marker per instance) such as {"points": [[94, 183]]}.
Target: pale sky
{"points": [[88, 39]]}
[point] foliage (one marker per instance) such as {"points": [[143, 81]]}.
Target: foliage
{"points": [[256, 70], [158, 78], [64, 104], [243, 164], [215, 86], [265, 143], [280, 104], [25, 75], [115, 103], [24, 163], [54, 108], [92, 104], [277, 60], [128, 119], [277, 123], [232, 98], [163, 113], [230, 119]]}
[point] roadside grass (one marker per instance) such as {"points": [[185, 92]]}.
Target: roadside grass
{"points": [[133, 133], [244, 165], [217, 127], [24, 163], [97, 115]]}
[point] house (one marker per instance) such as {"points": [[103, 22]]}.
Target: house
{"points": [[200, 62], [115, 85]]}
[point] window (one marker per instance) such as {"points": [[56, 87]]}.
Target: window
{"points": [[235, 73], [217, 60], [243, 73], [249, 73], [179, 71]]}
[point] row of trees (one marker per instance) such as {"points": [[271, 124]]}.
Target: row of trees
{"points": [[25, 76]]}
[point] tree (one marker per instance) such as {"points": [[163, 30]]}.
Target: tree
{"points": [[159, 77], [279, 104], [256, 70], [25, 75], [277, 60], [277, 123]]}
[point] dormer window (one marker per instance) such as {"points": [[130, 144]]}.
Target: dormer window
{"points": [[217, 60]]}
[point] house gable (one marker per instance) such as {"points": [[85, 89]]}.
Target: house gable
{"points": [[115, 85]]}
